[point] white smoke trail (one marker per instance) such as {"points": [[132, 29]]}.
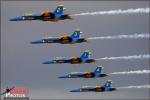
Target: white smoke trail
{"points": [[144, 56], [114, 12], [138, 86], [133, 72], [133, 36]]}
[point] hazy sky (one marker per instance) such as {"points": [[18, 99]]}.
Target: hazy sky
{"points": [[21, 62]]}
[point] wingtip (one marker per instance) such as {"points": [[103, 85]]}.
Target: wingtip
{"points": [[78, 29], [61, 5], [87, 50], [109, 80]]}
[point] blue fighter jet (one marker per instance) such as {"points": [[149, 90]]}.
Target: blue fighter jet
{"points": [[96, 73], [74, 38], [84, 58], [55, 16], [106, 87]]}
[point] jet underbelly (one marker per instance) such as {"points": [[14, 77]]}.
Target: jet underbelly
{"points": [[89, 75], [87, 89], [66, 39], [81, 40], [75, 60], [48, 16], [62, 61], [89, 60], [63, 17], [99, 89], [75, 76], [32, 17]]}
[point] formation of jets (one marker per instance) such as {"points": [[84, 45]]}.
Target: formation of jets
{"points": [[56, 16]]}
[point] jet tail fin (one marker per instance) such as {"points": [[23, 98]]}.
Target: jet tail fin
{"points": [[59, 11], [86, 54], [108, 85], [76, 34], [98, 71]]}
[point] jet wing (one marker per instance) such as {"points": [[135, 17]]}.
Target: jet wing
{"points": [[76, 73], [73, 75], [58, 60], [87, 87], [36, 15], [53, 38], [32, 15], [62, 58]]}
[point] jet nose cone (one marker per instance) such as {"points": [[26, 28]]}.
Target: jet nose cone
{"points": [[49, 62], [37, 41], [13, 19], [17, 18], [75, 90], [64, 76]]}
